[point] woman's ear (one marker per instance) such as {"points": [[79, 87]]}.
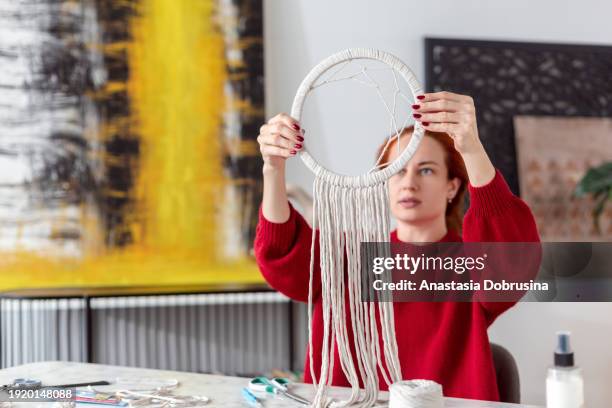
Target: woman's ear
{"points": [[453, 187]]}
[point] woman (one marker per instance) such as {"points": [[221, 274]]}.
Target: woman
{"points": [[446, 342]]}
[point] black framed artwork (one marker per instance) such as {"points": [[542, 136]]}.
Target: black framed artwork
{"points": [[520, 78]]}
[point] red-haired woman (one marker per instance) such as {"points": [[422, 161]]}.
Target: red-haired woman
{"points": [[446, 342]]}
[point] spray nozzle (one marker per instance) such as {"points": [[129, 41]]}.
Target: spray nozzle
{"points": [[564, 356], [563, 342]]}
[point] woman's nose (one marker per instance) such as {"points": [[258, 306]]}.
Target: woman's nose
{"points": [[409, 181]]}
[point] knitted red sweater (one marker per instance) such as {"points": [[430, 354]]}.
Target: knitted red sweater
{"points": [[445, 342]]}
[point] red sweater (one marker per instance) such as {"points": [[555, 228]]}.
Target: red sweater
{"points": [[446, 342]]}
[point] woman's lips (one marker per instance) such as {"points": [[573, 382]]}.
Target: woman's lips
{"points": [[409, 202]]}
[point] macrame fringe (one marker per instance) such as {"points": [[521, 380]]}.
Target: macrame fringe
{"points": [[346, 217]]}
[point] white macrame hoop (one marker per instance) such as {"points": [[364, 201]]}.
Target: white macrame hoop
{"points": [[379, 176]]}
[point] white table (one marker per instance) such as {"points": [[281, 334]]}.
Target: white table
{"points": [[223, 391]]}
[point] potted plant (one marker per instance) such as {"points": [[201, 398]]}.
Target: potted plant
{"points": [[598, 183]]}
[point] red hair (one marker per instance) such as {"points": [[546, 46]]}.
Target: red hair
{"points": [[454, 164]]}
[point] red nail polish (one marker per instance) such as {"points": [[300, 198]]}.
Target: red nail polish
{"points": [[421, 97], [416, 106], [416, 115], [293, 152], [425, 123], [300, 138], [296, 126], [298, 146]]}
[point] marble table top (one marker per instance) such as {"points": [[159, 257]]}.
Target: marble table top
{"points": [[223, 391]]}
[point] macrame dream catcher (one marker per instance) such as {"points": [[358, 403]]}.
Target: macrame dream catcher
{"points": [[348, 210]]}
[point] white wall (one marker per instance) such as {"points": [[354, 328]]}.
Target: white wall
{"points": [[528, 331], [298, 34]]}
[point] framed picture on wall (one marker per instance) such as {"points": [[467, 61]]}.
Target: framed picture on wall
{"points": [[507, 79], [127, 149]]}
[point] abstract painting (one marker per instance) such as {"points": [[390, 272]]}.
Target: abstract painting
{"points": [[520, 78], [127, 141]]}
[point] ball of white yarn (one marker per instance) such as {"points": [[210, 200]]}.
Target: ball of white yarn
{"points": [[416, 394]]}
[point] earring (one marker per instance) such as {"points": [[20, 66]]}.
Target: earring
{"points": [[450, 200]]}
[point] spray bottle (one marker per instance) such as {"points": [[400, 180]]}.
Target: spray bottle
{"points": [[564, 384]]}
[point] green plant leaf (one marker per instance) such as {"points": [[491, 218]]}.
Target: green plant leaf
{"points": [[596, 180], [599, 207]]}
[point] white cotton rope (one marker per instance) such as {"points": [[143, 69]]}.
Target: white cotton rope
{"points": [[349, 210], [416, 394]]}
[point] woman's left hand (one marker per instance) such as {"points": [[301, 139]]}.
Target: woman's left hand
{"points": [[450, 113]]}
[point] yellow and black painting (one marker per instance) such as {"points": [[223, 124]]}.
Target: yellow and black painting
{"points": [[127, 141]]}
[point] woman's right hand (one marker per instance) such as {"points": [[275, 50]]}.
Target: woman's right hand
{"points": [[280, 138]]}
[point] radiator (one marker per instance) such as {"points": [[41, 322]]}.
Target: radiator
{"points": [[228, 333], [42, 330]]}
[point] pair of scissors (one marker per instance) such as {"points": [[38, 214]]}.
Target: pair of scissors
{"points": [[27, 383], [277, 385], [31, 383]]}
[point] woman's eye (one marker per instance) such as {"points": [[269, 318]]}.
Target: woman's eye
{"points": [[402, 172], [426, 170]]}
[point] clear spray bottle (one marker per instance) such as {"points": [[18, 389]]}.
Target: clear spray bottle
{"points": [[564, 384]]}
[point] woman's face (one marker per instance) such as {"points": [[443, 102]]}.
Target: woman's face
{"points": [[420, 191]]}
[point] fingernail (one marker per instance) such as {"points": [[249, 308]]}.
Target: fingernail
{"points": [[421, 97], [293, 152], [296, 126], [298, 146], [416, 115], [425, 123], [300, 138], [416, 106]]}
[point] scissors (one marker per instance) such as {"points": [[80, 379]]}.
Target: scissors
{"points": [[31, 383], [276, 385], [28, 383]]}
